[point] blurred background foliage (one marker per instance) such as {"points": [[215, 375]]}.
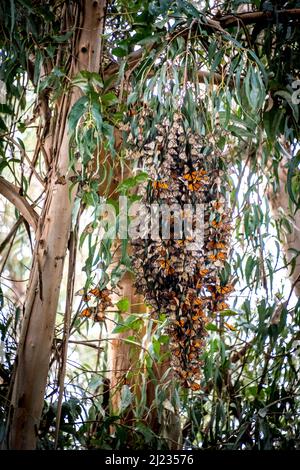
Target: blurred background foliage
{"points": [[239, 76]]}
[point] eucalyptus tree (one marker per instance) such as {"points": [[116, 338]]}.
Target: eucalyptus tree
{"points": [[157, 101]]}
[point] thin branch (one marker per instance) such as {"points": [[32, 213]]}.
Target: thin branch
{"points": [[67, 323], [11, 193], [25, 156], [257, 17], [11, 233], [218, 23]]}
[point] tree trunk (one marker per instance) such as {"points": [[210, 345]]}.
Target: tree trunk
{"points": [[42, 297], [279, 203], [122, 359], [120, 353]]}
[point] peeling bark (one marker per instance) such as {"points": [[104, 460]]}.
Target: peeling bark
{"points": [[119, 352], [32, 362], [279, 203], [122, 360]]}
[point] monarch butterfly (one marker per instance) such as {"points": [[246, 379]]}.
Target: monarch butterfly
{"points": [[221, 306], [219, 246], [216, 224], [80, 292], [159, 185], [211, 288], [194, 186], [221, 225], [86, 298], [196, 176], [99, 317], [87, 312], [217, 205], [195, 387], [132, 112], [224, 289], [183, 373], [96, 292], [230, 327], [203, 272], [219, 256], [165, 264], [188, 177], [215, 245]]}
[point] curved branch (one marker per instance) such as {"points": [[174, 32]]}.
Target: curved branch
{"points": [[257, 17], [218, 24], [10, 192], [134, 58]]}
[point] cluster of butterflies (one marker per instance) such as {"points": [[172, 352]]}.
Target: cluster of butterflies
{"points": [[100, 297], [178, 276]]}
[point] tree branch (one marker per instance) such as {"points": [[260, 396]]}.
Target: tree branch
{"points": [[218, 24], [257, 17], [10, 192]]}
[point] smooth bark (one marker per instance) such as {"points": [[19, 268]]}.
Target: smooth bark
{"points": [[35, 344], [279, 203]]}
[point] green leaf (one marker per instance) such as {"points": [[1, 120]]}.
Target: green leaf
{"points": [[131, 182], [292, 169], [132, 98], [288, 98], [145, 431], [250, 265], [95, 382], [211, 327], [5, 109], [63, 37], [140, 177], [96, 113], [131, 323], [240, 131], [2, 125], [109, 99], [119, 52], [228, 313], [126, 398], [77, 112], [3, 164], [123, 305], [149, 40]]}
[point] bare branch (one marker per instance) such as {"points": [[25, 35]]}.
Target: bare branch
{"points": [[257, 17], [11, 193]]}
